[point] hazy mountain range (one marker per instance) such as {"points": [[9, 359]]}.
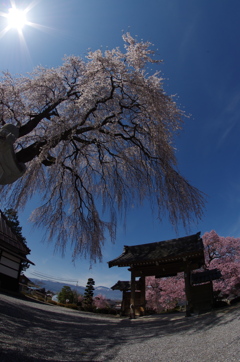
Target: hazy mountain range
{"points": [[55, 287]]}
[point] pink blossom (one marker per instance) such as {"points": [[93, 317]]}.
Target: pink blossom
{"points": [[101, 302]]}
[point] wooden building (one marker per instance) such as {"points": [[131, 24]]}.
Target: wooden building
{"points": [[12, 253], [161, 259], [24, 283], [125, 288]]}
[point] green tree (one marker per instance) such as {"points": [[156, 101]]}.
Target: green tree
{"points": [[76, 296], [14, 224], [88, 294], [66, 295]]}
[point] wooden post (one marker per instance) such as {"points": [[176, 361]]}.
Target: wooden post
{"points": [[188, 290], [123, 302], [132, 299], [212, 295], [142, 299]]}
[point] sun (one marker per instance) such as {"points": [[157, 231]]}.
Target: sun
{"points": [[16, 18]]}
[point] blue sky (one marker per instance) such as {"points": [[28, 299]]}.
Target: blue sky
{"points": [[199, 43]]}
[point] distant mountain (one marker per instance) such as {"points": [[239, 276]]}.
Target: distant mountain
{"points": [[55, 287], [108, 293]]}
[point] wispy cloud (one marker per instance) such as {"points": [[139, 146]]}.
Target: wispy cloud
{"points": [[234, 229], [227, 128], [224, 123]]}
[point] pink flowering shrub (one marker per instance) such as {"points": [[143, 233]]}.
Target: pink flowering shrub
{"points": [[100, 302], [80, 299], [164, 293]]}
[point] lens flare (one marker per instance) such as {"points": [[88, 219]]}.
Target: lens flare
{"points": [[16, 18]]}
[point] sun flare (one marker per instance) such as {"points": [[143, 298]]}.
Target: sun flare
{"points": [[16, 18]]}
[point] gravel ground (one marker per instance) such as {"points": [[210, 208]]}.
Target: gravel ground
{"points": [[31, 331]]}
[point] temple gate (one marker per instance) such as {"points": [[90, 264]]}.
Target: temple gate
{"points": [[161, 259]]}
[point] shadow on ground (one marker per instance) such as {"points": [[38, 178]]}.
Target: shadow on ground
{"points": [[35, 332]]}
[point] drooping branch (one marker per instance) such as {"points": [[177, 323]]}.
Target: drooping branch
{"points": [[105, 129]]}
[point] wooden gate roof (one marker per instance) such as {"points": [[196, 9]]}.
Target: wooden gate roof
{"points": [[125, 285], [164, 252], [122, 285]]}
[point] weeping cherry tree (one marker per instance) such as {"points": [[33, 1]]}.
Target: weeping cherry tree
{"points": [[92, 137]]}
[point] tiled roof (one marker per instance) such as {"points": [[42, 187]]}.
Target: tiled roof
{"points": [[121, 285], [125, 285], [9, 239], [159, 251]]}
